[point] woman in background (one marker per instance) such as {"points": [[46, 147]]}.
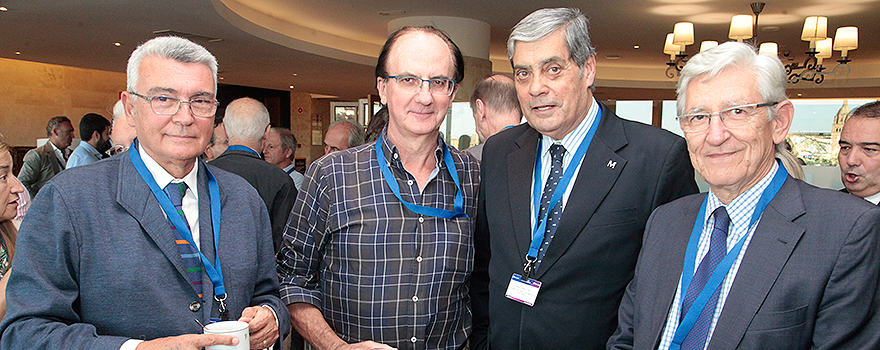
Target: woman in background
{"points": [[9, 191]]}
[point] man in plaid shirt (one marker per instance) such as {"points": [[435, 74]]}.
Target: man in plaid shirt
{"points": [[378, 249]]}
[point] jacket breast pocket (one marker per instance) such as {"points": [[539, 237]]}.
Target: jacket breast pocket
{"points": [[764, 321]]}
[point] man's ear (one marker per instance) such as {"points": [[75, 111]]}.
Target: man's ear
{"points": [[481, 109]]}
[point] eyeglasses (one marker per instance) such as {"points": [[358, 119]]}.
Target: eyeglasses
{"points": [[733, 116], [167, 105], [412, 85]]}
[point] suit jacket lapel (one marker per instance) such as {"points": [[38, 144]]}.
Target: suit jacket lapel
{"points": [[599, 171], [675, 240], [520, 169], [772, 243], [137, 199]]}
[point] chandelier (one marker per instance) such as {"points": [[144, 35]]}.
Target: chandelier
{"points": [[742, 27]]}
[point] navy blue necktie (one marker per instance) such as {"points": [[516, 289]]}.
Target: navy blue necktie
{"points": [[191, 259], [696, 338], [556, 153]]}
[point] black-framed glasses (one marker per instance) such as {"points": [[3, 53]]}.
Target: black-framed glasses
{"points": [[412, 84], [733, 116], [167, 105]]}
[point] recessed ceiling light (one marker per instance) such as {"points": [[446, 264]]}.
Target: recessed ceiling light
{"points": [[391, 12], [117, 44], [635, 46], [3, 8], [221, 78], [291, 86], [18, 52], [294, 74], [799, 94]]}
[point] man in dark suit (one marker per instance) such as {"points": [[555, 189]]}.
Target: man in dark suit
{"points": [[247, 124], [42, 163], [859, 155], [107, 259], [763, 261], [600, 189]]}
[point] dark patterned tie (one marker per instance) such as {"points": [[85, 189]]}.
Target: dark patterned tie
{"points": [[696, 338], [556, 153], [191, 259]]}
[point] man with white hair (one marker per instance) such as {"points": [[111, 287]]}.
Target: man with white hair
{"points": [[764, 260], [127, 253], [121, 134], [247, 125]]}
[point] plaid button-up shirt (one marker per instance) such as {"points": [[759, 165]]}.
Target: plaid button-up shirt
{"points": [[375, 269]]}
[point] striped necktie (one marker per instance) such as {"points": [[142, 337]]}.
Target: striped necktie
{"points": [[191, 259]]}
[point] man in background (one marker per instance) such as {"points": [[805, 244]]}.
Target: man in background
{"points": [[121, 134], [495, 107], [343, 134], [42, 163], [859, 155], [247, 124], [280, 149], [94, 132], [218, 144]]}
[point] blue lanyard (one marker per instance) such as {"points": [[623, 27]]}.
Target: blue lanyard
{"points": [[243, 148], [420, 209], [292, 169], [723, 267], [215, 274], [541, 222]]}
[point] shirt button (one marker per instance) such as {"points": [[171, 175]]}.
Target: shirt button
{"points": [[195, 306], [421, 219], [418, 259], [415, 298], [409, 182], [413, 339]]}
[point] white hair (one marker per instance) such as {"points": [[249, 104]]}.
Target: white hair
{"points": [[169, 47], [769, 71], [246, 119]]}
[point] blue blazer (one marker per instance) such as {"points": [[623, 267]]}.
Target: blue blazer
{"points": [[808, 279], [96, 262]]}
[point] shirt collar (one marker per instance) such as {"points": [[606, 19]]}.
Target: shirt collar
{"points": [[572, 140], [741, 208], [873, 199], [395, 154], [163, 178], [90, 149]]}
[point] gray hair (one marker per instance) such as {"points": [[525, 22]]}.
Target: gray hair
{"points": [[867, 110], [55, 123], [545, 21], [169, 47], [768, 69], [497, 94], [355, 131], [118, 111], [288, 141], [246, 119]]}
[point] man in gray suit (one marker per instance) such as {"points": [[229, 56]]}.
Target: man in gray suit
{"points": [[42, 163], [763, 261], [107, 259]]}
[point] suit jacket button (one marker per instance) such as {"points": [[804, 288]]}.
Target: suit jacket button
{"points": [[195, 306]]}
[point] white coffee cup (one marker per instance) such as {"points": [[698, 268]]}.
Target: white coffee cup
{"points": [[235, 328]]}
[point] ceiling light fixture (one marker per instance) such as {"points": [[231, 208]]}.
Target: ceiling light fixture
{"points": [[742, 27], [3, 8]]}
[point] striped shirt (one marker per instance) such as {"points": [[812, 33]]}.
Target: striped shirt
{"points": [[375, 269]]}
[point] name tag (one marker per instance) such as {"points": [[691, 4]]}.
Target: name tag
{"points": [[523, 291]]}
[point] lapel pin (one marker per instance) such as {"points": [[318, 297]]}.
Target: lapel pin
{"points": [[611, 164]]}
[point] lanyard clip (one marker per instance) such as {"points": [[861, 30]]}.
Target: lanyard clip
{"points": [[528, 266], [224, 313]]}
